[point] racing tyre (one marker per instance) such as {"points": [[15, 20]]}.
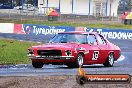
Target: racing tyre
{"points": [[37, 64], [110, 61], [78, 62]]}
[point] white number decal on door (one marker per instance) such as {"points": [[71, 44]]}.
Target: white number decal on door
{"points": [[95, 55]]}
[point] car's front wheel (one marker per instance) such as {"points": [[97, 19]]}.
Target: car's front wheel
{"points": [[110, 61], [78, 62], [37, 64]]}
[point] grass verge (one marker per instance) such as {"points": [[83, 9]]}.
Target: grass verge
{"points": [[14, 52], [74, 24]]}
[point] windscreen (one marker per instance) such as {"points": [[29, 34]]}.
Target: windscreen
{"points": [[65, 38]]}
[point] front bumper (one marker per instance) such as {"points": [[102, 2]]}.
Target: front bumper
{"points": [[50, 57]]}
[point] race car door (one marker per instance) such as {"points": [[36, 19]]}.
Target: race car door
{"points": [[103, 48], [94, 50]]}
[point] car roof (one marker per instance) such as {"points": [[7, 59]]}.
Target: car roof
{"points": [[78, 32]]}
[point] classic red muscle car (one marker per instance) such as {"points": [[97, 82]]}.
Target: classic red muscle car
{"points": [[75, 49]]}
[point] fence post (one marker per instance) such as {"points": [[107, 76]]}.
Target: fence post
{"points": [[9, 14], [113, 16]]}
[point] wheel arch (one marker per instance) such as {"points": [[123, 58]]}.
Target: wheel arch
{"points": [[110, 53], [108, 62], [81, 53]]}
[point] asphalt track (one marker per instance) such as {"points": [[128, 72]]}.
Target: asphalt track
{"points": [[123, 66]]}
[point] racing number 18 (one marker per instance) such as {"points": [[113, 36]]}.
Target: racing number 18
{"points": [[95, 55]]}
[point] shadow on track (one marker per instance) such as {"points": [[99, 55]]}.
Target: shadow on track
{"points": [[83, 67]]}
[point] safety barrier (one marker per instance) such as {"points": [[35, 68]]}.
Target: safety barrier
{"points": [[111, 33], [6, 28], [48, 31]]}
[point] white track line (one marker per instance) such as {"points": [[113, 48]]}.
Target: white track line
{"points": [[121, 58]]}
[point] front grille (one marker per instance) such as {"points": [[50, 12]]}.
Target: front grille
{"points": [[49, 52]]}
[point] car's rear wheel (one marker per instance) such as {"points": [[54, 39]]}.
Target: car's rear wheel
{"points": [[110, 61], [37, 64], [78, 62]]}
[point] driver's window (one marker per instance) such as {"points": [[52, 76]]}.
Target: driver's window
{"points": [[101, 41], [92, 40], [63, 38]]}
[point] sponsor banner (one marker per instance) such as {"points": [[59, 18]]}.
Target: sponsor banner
{"points": [[39, 32], [103, 78], [49, 31], [83, 78], [18, 29], [109, 33], [45, 30], [6, 28]]}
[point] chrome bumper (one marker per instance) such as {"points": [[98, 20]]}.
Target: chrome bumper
{"points": [[49, 57]]}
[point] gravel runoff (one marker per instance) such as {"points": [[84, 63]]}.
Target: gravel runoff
{"points": [[52, 82]]}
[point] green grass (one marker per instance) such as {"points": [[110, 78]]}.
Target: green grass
{"points": [[74, 24], [14, 52]]}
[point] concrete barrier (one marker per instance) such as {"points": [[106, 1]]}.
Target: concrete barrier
{"points": [[6, 28], [42, 33]]}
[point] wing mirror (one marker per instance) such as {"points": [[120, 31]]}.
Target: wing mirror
{"points": [[92, 43]]}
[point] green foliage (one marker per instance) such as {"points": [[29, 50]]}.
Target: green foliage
{"points": [[14, 52]]}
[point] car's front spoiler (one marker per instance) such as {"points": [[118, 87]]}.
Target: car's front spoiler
{"points": [[49, 57]]}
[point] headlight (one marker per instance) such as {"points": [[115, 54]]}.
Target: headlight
{"points": [[30, 51], [68, 52]]}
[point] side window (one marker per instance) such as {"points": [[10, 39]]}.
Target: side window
{"points": [[63, 38], [92, 40], [104, 42], [100, 39]]}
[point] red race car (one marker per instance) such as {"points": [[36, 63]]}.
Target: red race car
{"points": [[75, 49]]}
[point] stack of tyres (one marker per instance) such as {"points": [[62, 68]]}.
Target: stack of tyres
{"points": [[52, 18], [127, 18], [128, 21]]}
